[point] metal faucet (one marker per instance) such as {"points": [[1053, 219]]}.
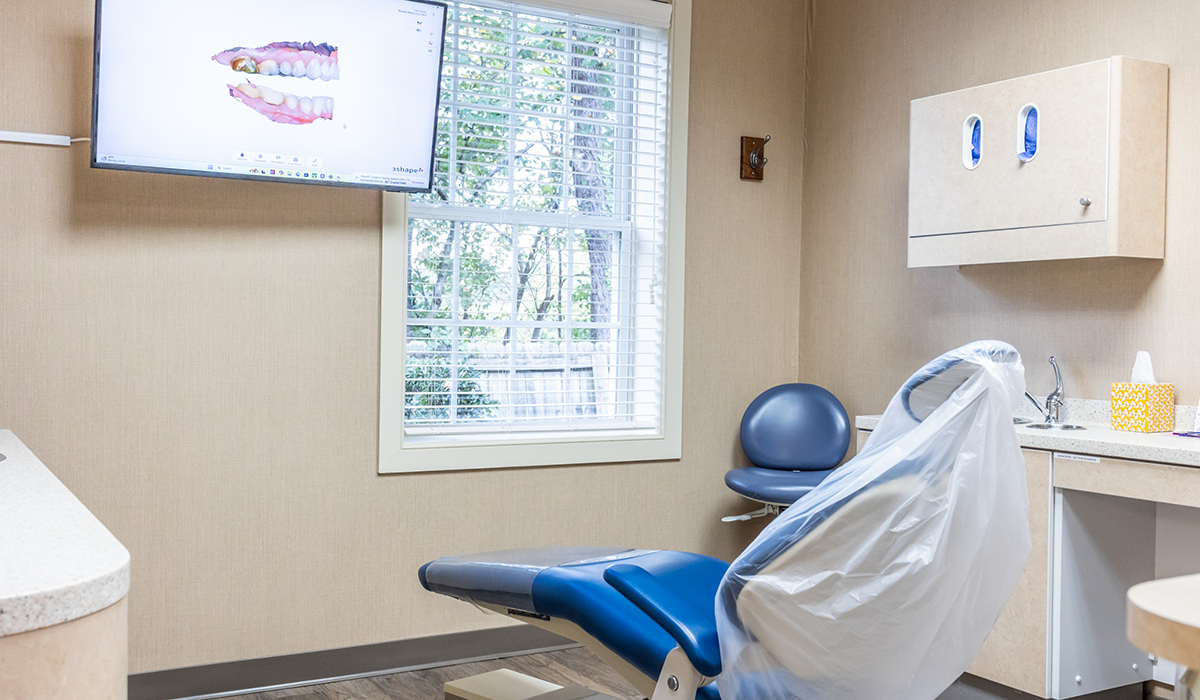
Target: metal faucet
{"points": [[1054, 401]]}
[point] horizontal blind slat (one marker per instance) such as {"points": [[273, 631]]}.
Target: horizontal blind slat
{"points": [[459, 31], [619, 140], [649, 13]]}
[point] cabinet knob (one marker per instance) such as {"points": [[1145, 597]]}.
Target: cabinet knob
{"points": [[1085, 202]]}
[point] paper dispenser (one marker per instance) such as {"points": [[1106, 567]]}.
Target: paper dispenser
{"points": [[1070, 163]]}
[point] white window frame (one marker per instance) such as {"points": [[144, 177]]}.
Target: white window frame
{"points": [[397, 455]]}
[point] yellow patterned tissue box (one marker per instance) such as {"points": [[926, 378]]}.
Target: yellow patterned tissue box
{"points": [[1143, 408]]}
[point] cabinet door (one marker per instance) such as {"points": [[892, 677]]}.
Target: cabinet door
{"points": [[1002, 192], [1015, 653]]}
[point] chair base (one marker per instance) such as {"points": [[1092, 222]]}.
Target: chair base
{"points": [[572, 631], [768, 509], [676, 664], [506, 684]]}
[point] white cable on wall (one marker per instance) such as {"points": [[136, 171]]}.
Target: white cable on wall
{"points": [[39, 139]]}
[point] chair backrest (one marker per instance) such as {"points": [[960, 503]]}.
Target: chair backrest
{"points": [[885, 580], [795, 427]]}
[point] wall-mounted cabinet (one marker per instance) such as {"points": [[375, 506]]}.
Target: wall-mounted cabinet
{"points": [[1070, 163]]}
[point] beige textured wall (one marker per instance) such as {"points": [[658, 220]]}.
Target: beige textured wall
{"points": [[867, 320], [198, 361]]}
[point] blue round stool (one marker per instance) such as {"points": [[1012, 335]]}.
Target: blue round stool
{"points": [[794, 435]]}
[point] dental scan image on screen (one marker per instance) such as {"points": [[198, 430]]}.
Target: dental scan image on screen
{"points": [[320, 91]]}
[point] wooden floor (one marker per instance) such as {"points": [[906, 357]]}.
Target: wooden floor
{"points": [[569, 667]]}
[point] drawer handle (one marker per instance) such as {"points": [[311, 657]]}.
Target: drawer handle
{"points": [[1085, 202]]}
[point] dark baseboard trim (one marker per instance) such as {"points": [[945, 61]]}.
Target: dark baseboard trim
{"points": [[292, 670], [969, 687]]}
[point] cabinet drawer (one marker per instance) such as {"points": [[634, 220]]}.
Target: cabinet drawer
{"points": [[1145, 481]]}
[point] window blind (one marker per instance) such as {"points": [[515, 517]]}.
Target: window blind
{"points": [[647, 13], [535, 267]]}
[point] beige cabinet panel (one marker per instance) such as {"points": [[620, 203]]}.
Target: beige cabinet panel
{"points": [[1015, 653], [1003, 192], [1096, 186], [87, 657]]}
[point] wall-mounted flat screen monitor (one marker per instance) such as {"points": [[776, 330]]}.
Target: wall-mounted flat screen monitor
{"points": [[331, 92]]}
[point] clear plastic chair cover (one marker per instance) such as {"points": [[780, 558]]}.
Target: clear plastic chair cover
{"points": [[886, 579]]}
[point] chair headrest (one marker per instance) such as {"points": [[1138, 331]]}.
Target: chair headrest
{"points": [[930, 386]]}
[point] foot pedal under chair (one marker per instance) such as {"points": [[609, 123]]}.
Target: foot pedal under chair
{"points": [[506, 684]]}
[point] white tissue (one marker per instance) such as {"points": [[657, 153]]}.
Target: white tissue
{"points": [[1143, 371]]}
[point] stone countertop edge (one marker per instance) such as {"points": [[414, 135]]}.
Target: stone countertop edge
{"points": [[1099, 440], [57, 561]]}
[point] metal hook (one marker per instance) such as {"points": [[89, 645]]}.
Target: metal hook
{"points": [[756, 156]]}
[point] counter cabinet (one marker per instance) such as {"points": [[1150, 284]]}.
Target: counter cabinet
{"points": [[1092, 521]]}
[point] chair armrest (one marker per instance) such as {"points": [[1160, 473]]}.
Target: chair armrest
{"points": [[694, 634]]}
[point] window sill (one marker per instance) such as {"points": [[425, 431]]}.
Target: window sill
{"points": [[446, 453]]}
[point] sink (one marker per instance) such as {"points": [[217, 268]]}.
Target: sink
{"points": [[1055, 426], [1021, 421]]}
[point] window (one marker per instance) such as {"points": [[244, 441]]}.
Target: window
{"points": [[532, 303]]}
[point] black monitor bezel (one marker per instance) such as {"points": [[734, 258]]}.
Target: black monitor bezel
{"points": [[269, 178]]}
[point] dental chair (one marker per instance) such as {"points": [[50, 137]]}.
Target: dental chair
{"points": [[882, 582], [794, 435]]}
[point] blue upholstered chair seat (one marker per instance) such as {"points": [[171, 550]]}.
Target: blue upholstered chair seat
{"points": [[776, 486], [568, 583]]}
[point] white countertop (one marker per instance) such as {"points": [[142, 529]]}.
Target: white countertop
{"points": [[1100, 440], [57, 562]]}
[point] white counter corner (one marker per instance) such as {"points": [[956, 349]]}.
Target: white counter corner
{"points": [[57, 561]]}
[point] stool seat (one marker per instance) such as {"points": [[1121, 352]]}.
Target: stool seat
{"points": [[774, 486]]}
